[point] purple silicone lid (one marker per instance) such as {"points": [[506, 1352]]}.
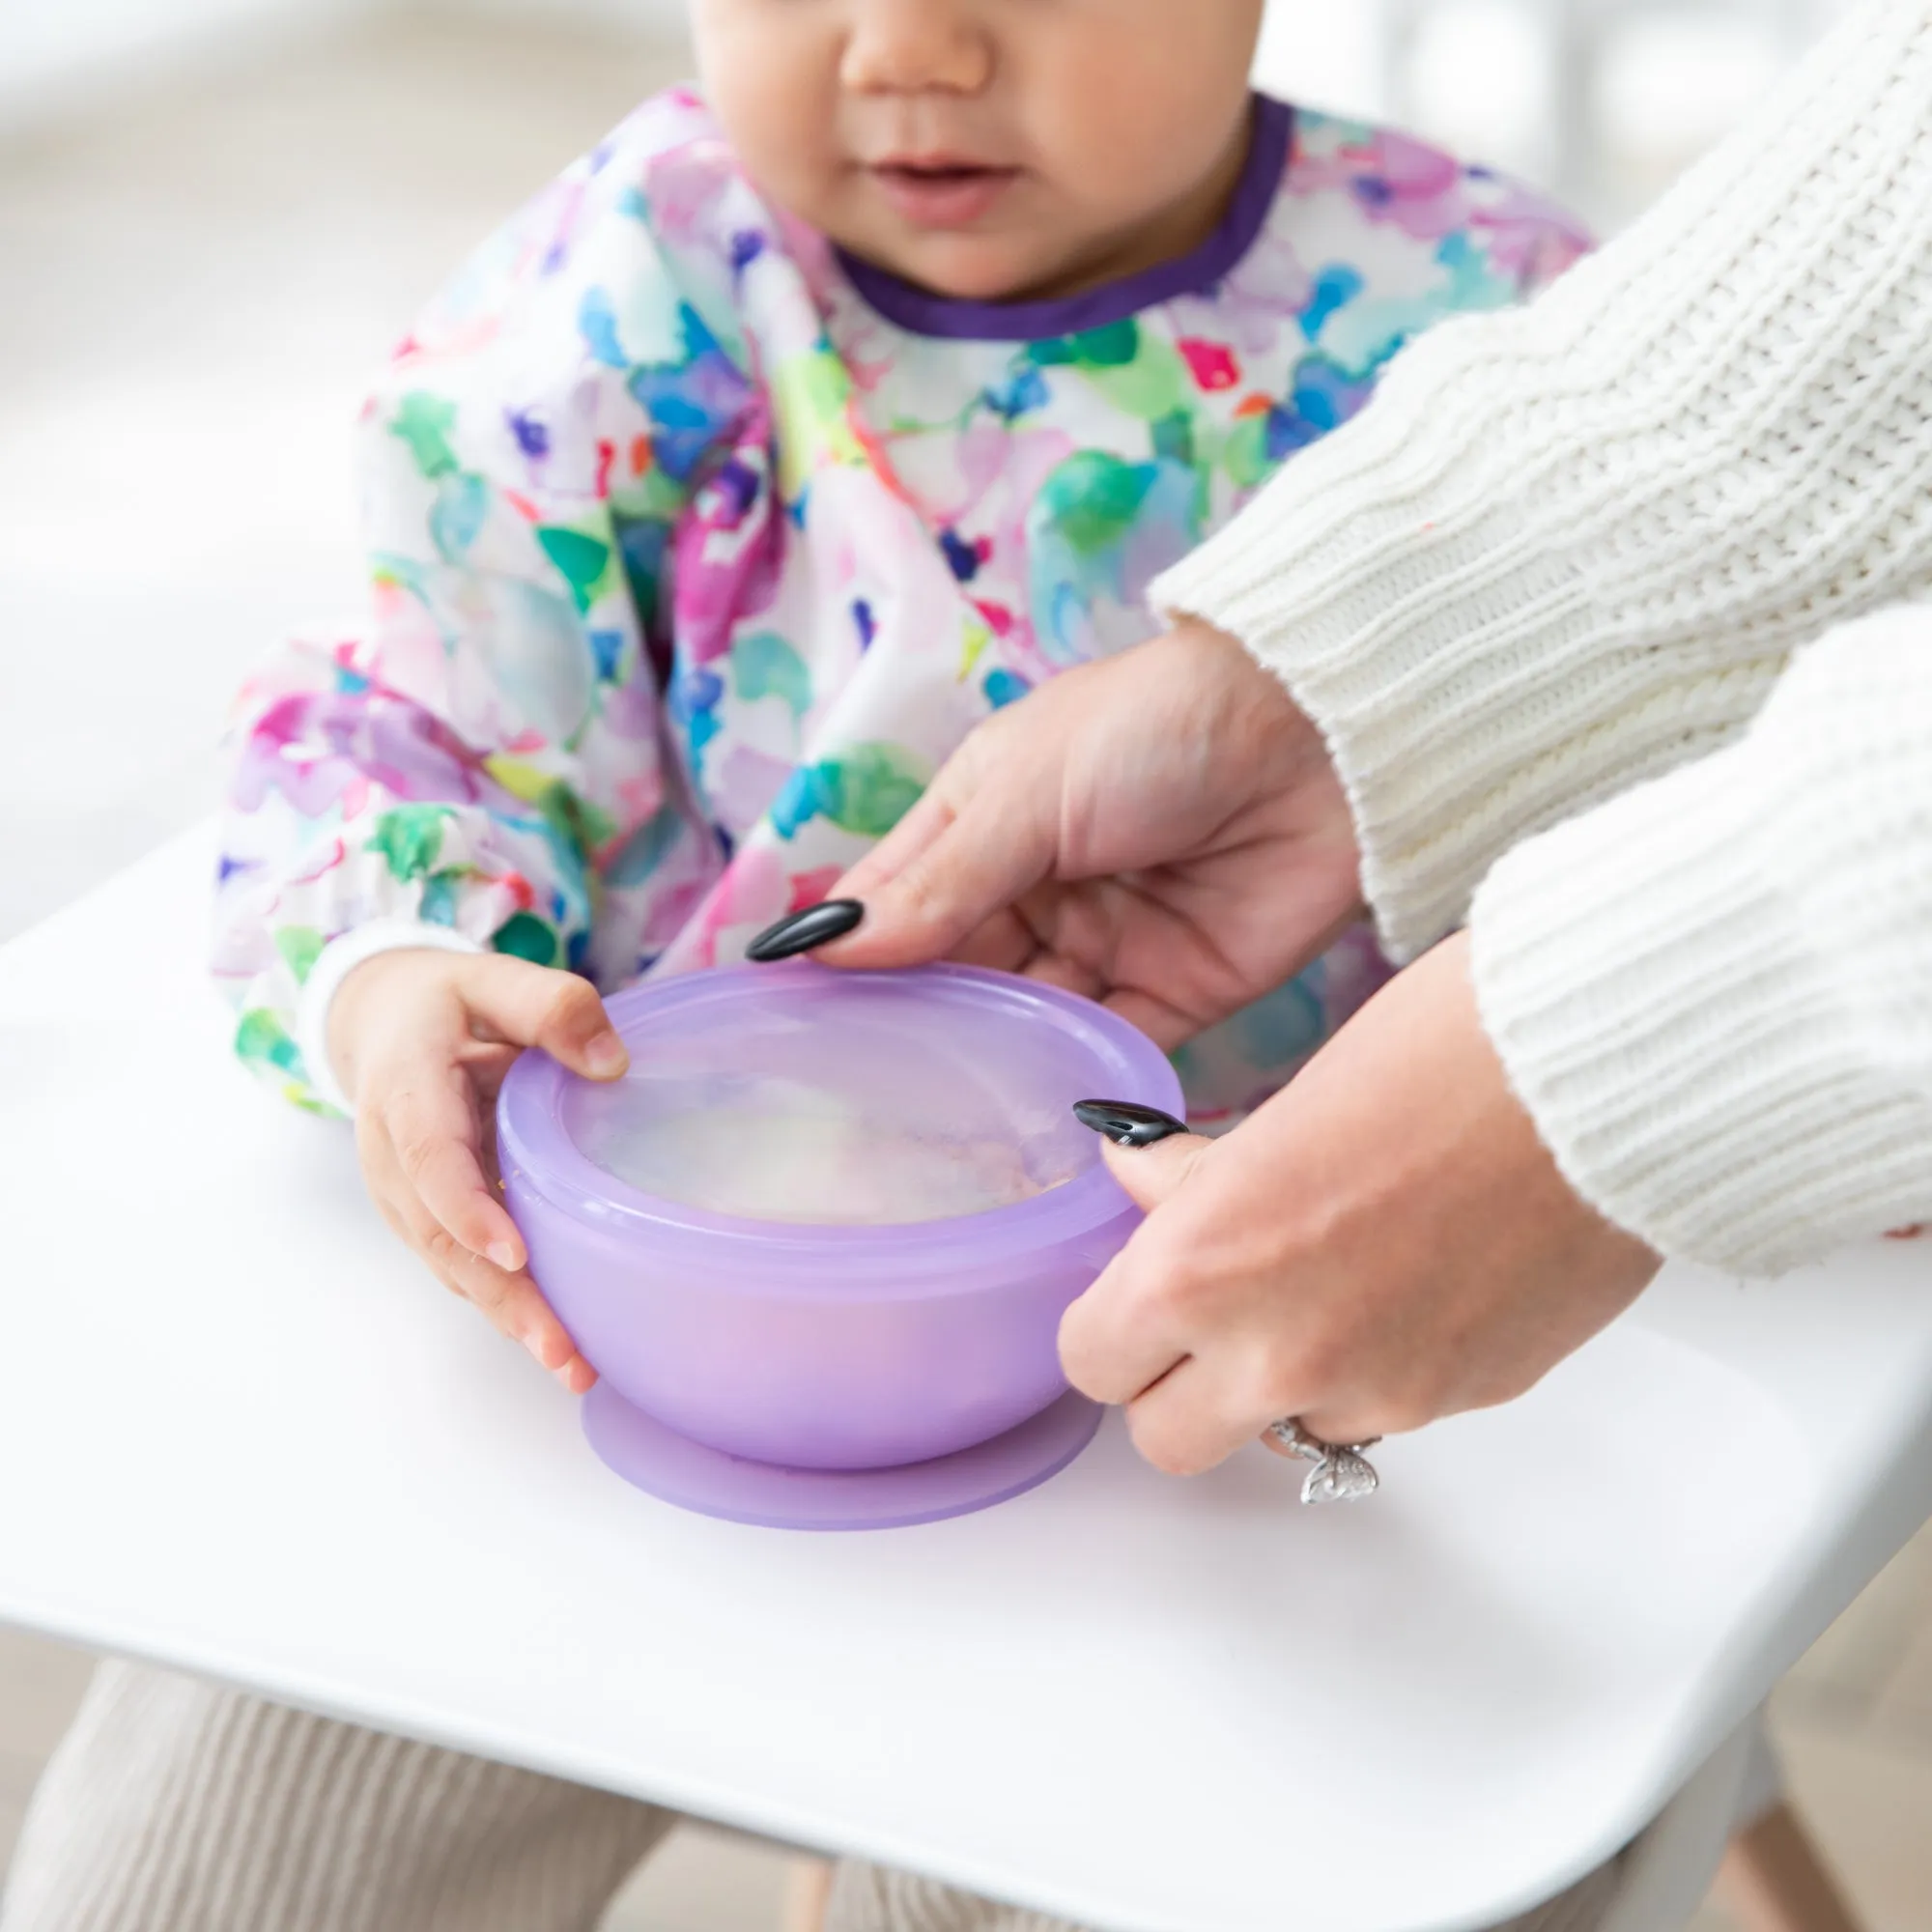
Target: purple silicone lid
{"points": [[758, 1237]]}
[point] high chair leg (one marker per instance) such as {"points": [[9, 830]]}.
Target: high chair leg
{"points": [[1775, 1880], [807, 1891]]}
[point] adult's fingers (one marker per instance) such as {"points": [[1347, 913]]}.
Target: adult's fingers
{"points": [[1152, 1175], [537, 1005], [1195, 1417], [1129, 1329], [951, 871], [926, 819], [1346, 1426], [1207, 1405], [431, 1124]]}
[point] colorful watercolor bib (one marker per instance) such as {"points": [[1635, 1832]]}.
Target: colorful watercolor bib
{"points": [[698, 546]]}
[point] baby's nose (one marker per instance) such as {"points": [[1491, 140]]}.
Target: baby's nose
{"points": [[914, 46]]}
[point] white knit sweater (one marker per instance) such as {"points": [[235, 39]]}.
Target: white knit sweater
{"points": [[1581, 545]]}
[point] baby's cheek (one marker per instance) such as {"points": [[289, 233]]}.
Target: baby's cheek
{"points": [[771, 75]]}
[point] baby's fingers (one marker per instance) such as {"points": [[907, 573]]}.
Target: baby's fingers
{"points": [[512, 1301], [432, 1129], [516, 1308], [538, 1005]]}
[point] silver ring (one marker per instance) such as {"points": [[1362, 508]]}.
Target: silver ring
{"points": [[1342, 1471]]}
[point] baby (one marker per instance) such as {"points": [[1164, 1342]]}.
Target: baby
{"points": [[799, 426], [796, 428]]}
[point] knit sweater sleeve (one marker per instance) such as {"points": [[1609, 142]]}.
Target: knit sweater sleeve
{"points": [[1713, 992], [1573, 546]]}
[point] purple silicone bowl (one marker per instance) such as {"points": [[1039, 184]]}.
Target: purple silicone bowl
{"points": [[816, 1343]]}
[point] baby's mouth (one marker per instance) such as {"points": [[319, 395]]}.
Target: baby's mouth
{"points": [[942, 192]]}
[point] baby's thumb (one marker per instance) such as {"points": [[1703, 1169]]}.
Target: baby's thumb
{"points": [[1148, 1152], [539, 1006]]}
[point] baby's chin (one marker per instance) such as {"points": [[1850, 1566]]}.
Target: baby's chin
{"points": [[968, 267]]}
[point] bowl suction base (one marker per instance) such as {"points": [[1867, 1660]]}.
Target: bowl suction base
{"points": [[678, 1470]]}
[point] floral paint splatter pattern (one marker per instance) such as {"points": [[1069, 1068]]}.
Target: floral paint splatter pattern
{"points": [[690, 566]]}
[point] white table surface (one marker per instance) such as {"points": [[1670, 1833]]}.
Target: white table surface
{"points": [[240, 1432]]}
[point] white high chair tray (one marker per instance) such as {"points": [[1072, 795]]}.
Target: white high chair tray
{"points": [[242, 1433]]}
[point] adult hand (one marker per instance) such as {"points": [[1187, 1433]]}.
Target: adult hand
{"points": [[421, 1042], [1384, 1243], [1161, 831]]}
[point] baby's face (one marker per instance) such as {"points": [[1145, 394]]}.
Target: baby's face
{"points": [[989, 149]]}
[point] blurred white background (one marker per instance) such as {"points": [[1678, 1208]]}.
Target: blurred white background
{"points": [[217, 215]]}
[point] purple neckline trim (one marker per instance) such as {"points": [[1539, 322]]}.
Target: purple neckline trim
{"points": [[922, 313]]}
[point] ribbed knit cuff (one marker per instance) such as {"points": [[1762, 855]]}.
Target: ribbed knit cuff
{"points": [[336, 960], [1571, 546], [1341, 580], [1676, 1027], [1434, 622]]}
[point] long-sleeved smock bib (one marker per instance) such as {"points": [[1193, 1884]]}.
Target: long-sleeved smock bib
{"points": [[698, 546]]}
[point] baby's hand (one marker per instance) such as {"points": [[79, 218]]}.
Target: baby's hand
{"points": [[421, 1042]]}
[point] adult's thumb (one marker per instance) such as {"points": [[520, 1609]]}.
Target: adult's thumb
{"points": [[1150, 1153]]}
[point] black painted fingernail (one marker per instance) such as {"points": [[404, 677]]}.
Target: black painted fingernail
{"points": [[1127, 1124], [800, 931]]}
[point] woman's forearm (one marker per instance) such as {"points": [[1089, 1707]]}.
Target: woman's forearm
{"points": [[1572, 547], [1714, 993]]}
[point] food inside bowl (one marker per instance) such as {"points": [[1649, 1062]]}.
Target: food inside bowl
{"points": [[767, 1149]]}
